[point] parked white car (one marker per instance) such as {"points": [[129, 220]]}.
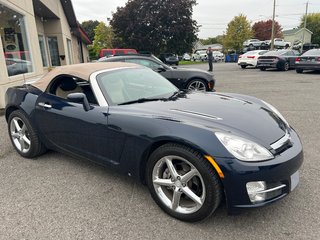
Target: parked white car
{"points": [[253, 43], [186, 57], [250, 58], [200, 55], [217, 56], [278, 43]]}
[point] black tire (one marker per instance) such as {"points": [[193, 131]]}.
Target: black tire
{"points": [[205, 184], [243, 66], [23, 136], [298, 70], [262, 68], [286, 66]]}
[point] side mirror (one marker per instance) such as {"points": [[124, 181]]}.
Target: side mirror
{"points": [[80, 98]]}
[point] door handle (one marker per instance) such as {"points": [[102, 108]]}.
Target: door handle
{"points": [[44, 105]]}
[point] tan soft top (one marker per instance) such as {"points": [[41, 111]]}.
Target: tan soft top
{"points": [[82, 71]]}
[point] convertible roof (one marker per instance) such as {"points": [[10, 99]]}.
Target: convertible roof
{"points": [[82, 71]]}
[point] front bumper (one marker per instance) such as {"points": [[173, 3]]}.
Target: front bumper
{"points": [[172, 61], [279, 174]]}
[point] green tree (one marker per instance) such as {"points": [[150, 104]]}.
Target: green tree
{"points": [[103, 38], [313, 24], [89, 27], [238, 31], [156, 25]]}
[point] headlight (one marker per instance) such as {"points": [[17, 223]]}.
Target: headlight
{"points": [[273, 109], [243, 149]]}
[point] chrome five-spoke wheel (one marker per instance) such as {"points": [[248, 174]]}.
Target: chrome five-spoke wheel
{"points": [[20, 135], [178, 184], [183, 183], [23, 136]]}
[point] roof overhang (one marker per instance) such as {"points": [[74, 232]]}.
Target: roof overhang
{"points": [[76, 29], [42, 11]]}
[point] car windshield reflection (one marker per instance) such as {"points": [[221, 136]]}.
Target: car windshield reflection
{"points": [[129, 85]]}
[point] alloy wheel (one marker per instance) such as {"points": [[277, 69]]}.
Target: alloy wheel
{"points": [[20, 135], [197, 85], [178, 184]]}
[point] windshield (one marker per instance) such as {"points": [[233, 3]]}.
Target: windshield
{"points": [[201, 52], [275, 53], [312, 52], [130, 84], [250, 53]]}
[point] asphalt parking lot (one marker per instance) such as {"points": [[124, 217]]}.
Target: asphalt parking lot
{"points": [[59, 197]]}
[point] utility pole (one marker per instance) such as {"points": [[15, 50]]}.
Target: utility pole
{"points": [[272, 30], [304, 26]]}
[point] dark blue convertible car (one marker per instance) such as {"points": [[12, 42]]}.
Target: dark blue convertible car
{"points": [[191, 149]]}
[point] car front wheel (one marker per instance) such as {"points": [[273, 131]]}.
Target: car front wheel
{"points": [[298, 70], [23, 136], [183, 183], [197, 85]]}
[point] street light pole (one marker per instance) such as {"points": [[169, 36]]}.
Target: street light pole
{"points": [[272, 29], [304, 26]]}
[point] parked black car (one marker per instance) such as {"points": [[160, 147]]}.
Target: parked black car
{"points": [[310, 60], [183, 78], [281, 59], [169, 58]]}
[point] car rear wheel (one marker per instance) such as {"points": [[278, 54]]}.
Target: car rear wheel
{"points": [[183, 183], [197, 85], [243, 66], [23, 136], [262, 68], [299, 70], [286, 66]]}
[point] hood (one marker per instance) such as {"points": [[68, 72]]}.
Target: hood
{"points": [[190, 70], [242, 116]]}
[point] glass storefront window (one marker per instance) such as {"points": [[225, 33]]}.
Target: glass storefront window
{"points": [[43, 51], [14, 41], [54, 51], [70, 55]]}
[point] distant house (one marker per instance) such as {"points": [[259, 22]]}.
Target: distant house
{"points": [[37, 35], [296, 35], [199, 46]]}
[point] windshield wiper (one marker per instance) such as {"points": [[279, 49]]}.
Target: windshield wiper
{"points": [[142, 100], [175, 95]]}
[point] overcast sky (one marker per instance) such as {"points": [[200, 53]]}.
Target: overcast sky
{"points": [[212, 15]]}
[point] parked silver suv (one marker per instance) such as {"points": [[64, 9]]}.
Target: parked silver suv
{"points": [[253, 43]]}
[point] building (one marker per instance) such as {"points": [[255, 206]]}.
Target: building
{"points": [[37, 35], [199, 46], [297, 35]]}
